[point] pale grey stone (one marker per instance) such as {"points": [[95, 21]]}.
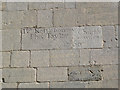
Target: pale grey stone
{"points": [[45, 18], [0, 75], [12, 19], [64, 57], [67, 84], [52, 74], [87, 37], [40, 58], [104, 56], [109, 36], [85, 73], [36, 5], [84, 56], [5, 59], [65, 17], [70, 4], [9, 85], [20, 58], [110, 72], [14, 6], [12, 75], [29, 19], [11, 40], [34, 85]]}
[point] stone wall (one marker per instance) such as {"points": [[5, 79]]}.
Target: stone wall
{"points": [[59, 45]]}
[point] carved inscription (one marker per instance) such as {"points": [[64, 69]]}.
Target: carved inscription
{"points": [[87, 37], [46, 38]]}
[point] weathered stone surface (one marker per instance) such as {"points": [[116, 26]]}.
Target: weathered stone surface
{"points": [[67, 84], [85, 73], [12, 19], [70, 4], [33, 85], [9, 85], [18, 75], [87, 37], [110, 72], [53, 38], [5, 59], [84, 56], [109, 36], [36, 5], [29, 18], [102, 16], [105, 56], [20, 59], [40, 58], [14, 6], [45, 18], [64, 57], [63, 17], [1, 64], [0, 20], [52, 74], [11, 40]]}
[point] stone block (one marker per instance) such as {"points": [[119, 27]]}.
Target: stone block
{"points": [[85, 73], [12, 19], [87, 37], [9, 85], [12, 75], [109, 36], [39, 58], [15, 6], [34, 85], [104, 56], [20, 58], [11, 40], [52, 74], [0, 75], [29, 18], [110, 72], [85, 56], [36, 5], [45, 18], [67, 84], [5, 59], [65, 17], [70, 4], [64, 57]]}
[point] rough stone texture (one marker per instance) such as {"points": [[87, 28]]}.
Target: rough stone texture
{"points": [[11, 40], [14, 6], [63, 17], [64, 57], [53, 38], [70, 4], [12, 75], [45, 18], [9, 85], [36, 5], [20, 58], [67, 85], [84, 56], [0, 20], [87, 37], [85, 73], [33, 85], [104, 56], [109, 36], [12, 19], [52, 74], [110, 72], [29, 19], [6, 59], [40, 58], [1, 63]]}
